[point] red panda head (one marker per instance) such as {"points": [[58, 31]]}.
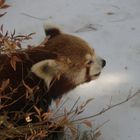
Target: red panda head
{"points": [[76, 62]]}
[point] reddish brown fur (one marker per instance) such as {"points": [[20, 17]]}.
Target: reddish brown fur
{"points": [[69, 48], [30, 57], [70, 58], [41, 97]]}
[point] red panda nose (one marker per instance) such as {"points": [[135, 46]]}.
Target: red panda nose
{"points": [[103, 63]]}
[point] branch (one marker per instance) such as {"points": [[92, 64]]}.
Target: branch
{"points": [[109, 107], [38, 18]]}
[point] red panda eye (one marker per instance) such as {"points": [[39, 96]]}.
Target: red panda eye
{"points": [[90, 62]]}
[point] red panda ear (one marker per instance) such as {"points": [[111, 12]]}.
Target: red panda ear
{"points": [[48, 70], [51, 31]]}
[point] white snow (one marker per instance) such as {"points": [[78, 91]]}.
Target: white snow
{"points": [[116, 38]]}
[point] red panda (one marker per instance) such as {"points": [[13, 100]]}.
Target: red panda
{"points": [[47, 72]]}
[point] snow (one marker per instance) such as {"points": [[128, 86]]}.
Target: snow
{"points": [[115, 37]]}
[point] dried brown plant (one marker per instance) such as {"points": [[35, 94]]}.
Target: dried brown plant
{"points": [[58, 121]]}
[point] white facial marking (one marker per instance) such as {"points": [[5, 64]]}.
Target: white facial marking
{"points": [[96, 67], [80, 76], [90, 71]]}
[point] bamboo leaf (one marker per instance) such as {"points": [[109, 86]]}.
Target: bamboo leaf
{"points": [[4, 85], [87, 123], [14, 60]]}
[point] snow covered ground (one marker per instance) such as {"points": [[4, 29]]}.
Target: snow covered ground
{"points": [[112, 27]]}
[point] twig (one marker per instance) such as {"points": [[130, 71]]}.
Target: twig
{"points": [[88, 27], [25, 14], [74, 104], [100, 126], [58, 109], [109, 107]]}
